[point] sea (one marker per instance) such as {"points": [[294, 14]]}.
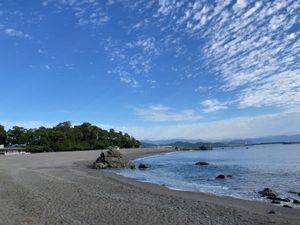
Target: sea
{"points": [[253, 168]]}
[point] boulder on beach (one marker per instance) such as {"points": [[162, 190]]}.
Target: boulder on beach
{"points": [[201, 163], [287, 206], [278, 199], [221, 176], [112, 159], [267, 192], [144, 166], [295, 201]]}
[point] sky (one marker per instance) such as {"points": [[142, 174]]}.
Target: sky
{"points": [[157, 69]]}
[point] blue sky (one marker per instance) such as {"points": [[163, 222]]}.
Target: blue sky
{"points": [[155, 68]]}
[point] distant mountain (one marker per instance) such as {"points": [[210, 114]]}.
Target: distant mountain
{"points": [[171, 141], [187, 142], [280, 138]]}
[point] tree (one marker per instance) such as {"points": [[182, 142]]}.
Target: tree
{"points": [[17, 136], [64, 137], [3, 135]]}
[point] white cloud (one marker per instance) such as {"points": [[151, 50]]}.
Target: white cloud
{"points": [[213, 105], [161, 113], [16, 33], [240, 4], [244, 43], [132, 82], [282, 90], [87, 12], [240, 127]]}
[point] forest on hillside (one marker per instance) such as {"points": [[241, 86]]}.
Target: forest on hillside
{"points": [[65, 137]]}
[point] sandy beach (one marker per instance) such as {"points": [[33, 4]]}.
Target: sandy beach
{"points": [[61, 188]]}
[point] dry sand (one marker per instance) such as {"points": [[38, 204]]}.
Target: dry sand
{"points": [[60, 188]]}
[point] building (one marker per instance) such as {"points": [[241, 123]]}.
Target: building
{"points": [[12, 151]]}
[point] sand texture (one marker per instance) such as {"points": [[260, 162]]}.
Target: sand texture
{"points": [[61, 188]]}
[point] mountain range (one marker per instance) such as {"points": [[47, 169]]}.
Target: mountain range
{"points": [[190, 142]]}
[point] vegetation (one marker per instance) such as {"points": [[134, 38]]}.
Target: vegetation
{"points": [[65, 137], [3, 135]]}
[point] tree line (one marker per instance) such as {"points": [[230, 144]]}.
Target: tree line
{"points": [[65, 137]]}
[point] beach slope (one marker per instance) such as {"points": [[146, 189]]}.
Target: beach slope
{"points": [[61, 188]]}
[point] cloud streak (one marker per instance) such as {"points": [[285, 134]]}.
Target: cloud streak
{"points": [[239, 127], [161, 113]]}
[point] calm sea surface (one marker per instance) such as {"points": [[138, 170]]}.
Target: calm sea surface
{"points": [[253, 169]]}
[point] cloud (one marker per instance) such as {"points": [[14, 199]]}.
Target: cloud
{"points": [[282, 90], [132, 60], [87, 12], [239, 127], [15, 33], [243, 44], [213, 105], [161, 113]]}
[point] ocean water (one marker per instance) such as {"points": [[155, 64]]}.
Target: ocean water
{"points": [[253, 169]]}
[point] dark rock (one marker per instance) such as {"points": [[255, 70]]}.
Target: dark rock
{"points": [[299, 194], [132, 166], [287, 206], [112, 159], [201, 163], [278, 199], [271, 212], [229, 176], [295, 201], [293, 192], [144, 166], [221, 176], [267, 192], [275, 202]]}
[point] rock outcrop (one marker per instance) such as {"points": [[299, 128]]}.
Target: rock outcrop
{"points": [[267, 192], [144, 166], [112, 159], [221, 176], [201, 163]]}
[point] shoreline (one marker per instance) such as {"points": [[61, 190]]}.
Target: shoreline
{"points": [[60, 188], [261, 199]]}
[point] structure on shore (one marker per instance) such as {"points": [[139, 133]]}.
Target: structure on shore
{"points": [[12, 151]]}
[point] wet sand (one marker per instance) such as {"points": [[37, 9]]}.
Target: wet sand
{"points": [[61, 188]]}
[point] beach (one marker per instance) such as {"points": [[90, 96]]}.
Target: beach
{"points": [[61, 188]]}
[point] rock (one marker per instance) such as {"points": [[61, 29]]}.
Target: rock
{"points": [[112, 159], [295, 201], [287, 206], [275, 202], [144, 166], [293, 192], [299, 194], [271, 212], [267, 192], [278, 199], [229, 176], [221, 176], [114, 153], [201, 163]]}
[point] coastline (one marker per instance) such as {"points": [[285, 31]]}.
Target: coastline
{"points": [[60, 188]]}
